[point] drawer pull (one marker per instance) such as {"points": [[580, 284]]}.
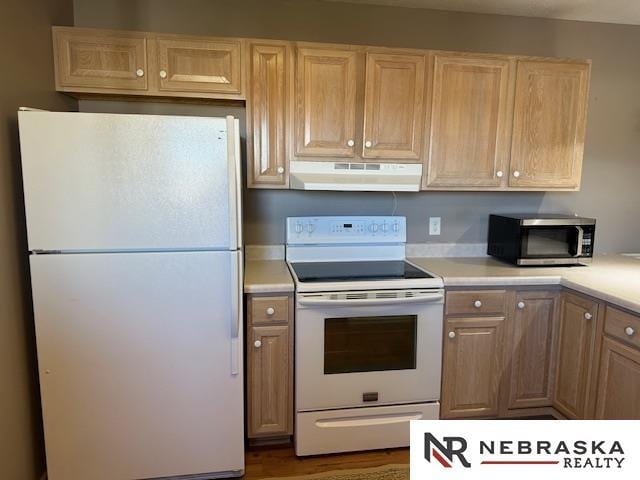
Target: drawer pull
{"points": [[520, 305], [452, 334], [588, 316], [477, 304], [629, 331], [270, 311], [257, 344]]}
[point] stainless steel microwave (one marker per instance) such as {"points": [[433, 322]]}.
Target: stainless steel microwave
{"points": [[541, 239]]}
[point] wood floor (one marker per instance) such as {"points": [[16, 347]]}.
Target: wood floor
{"points": [[265, 462]]}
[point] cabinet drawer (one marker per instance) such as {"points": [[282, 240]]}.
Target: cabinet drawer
{"points": [[480, 302], [623, 326], [269, 310]]}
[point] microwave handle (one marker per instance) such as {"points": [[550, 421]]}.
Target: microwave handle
{"points": [[580, 238]]}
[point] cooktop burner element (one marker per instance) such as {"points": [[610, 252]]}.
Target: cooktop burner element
{"points": [[356, 271]]}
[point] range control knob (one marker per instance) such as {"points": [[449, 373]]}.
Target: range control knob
{"points": [[299, 227], [385, 227], [373, 228], [396, 227], [310, 227]]}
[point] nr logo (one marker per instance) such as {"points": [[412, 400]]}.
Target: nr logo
{"points": [[445, 452]]}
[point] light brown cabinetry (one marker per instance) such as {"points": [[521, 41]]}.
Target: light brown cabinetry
{"points": [[549, 124], [618, 390], [269, 366], [473, 364], [98, 62], [393, 106], [98, 59], [532, 344], [268, 114], [199, 65], [576, 354], [470, 124], [326, 85]]}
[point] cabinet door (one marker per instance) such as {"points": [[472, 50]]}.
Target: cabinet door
{"points": [[576, 343], [95, 60], [618, 382], [269, 382], [199, 65], [549, 124], [326, 102], [470, 122], [533, 332], [473, 353], [267, 112], [394, 106]]}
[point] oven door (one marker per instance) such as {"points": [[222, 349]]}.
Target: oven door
{"points": [[543, 244], [368, 348]]}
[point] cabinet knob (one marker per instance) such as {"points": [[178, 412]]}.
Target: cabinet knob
{"points": [[452, 334], [520, 305], [140, 72], [368, 144], [163, 74], [280, 169], [499, 173], [477, 304], [516, 174], [629, 331], [350, 143], [270, 311], [257, 344], [588, 316]]}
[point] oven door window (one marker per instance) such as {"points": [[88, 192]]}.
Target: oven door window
{"points": [[369, 344], [550, 242]]}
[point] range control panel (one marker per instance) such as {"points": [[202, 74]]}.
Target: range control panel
{"points": [[346, 230]]}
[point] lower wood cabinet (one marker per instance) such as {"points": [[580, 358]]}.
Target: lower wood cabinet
{"points": [[577, 351], [473, 365], [269, 366], [618, 396], [532, 349]]}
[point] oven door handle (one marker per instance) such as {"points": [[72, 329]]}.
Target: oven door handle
{"points": [[430, 298], [580, 239]]}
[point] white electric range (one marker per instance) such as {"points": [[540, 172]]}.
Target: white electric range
{"points": [[368, 341]]}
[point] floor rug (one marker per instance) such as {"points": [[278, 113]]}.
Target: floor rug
{"points": [[385, 472]]}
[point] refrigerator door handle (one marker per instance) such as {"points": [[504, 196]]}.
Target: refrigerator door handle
{"points": [[235, 182], [236, 311]]}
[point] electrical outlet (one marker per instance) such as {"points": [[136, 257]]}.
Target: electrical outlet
{"points": [[434, 225]]}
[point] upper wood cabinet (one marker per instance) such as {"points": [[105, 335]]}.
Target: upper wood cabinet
{"points": [[549, 124], [88, 59], [268, 114], [139, 63], [470, 124], [533, 335], [199, 65], [326, 102], [576, 351], [393, 106]]}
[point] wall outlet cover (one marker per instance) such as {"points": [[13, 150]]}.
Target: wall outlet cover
{"points": [[434, 225]]}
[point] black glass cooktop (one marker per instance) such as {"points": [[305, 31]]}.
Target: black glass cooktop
{"points": [[356, 271]]}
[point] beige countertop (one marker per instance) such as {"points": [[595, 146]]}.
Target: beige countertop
{"points": [[267, 276], [612, 278]]}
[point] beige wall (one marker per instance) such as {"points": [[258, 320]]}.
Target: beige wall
{"points": [[611, 169], [26, 79]]}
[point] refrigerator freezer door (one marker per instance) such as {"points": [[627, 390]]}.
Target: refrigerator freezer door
{"points": [[96, 182], [135, 357]]}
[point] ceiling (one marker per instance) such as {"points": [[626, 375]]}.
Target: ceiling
{"points": [[606, 11]]}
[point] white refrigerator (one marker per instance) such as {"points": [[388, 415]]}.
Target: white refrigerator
{"points": [[134, 234]]}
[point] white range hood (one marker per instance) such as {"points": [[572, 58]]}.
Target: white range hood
{"points": [[371, 177]]}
